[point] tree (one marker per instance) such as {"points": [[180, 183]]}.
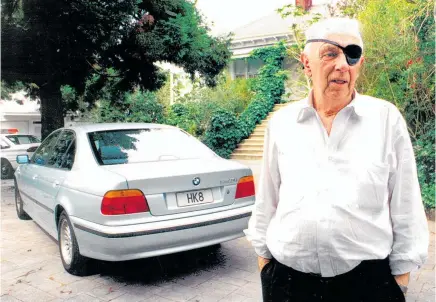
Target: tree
{"points": [[299, 84], [138, 107], [51, 43]]}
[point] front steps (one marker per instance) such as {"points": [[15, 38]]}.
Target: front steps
{"points": [[252, 147]]}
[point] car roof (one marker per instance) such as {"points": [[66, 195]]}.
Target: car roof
{"points": [[116, 126]]}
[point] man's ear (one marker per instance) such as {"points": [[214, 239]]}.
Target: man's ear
{"points": [[305, 60]]}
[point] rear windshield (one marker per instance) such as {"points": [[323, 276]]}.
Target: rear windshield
{"points": [[23, 139], [115, 147]]}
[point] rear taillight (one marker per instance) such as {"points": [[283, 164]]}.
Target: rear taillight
{"points": [[245, 187], [121, 202]]}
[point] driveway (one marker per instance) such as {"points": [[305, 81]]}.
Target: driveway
{"points": [[31, 270]]}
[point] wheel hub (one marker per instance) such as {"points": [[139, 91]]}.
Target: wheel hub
{"points": [[66, 242]]}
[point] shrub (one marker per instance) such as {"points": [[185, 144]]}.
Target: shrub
{"points": [[139, 107], [225, 133]]}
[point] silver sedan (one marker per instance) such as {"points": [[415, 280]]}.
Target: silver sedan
{"points": [[126, 191]]}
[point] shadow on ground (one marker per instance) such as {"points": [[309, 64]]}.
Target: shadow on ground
{"points": [[162, 268]]}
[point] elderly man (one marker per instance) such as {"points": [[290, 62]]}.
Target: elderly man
{"points": [[338, 216]]}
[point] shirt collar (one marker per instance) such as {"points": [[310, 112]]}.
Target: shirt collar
{"points": [[307, 106]]}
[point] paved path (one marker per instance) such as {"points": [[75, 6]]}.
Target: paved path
{"points": [[31, 270]]}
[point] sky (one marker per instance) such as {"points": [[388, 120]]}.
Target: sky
{"points": [[228, 15]]}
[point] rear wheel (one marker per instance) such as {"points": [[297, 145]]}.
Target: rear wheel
{"points": [[7, 172], [19, 204], [73, 262]]}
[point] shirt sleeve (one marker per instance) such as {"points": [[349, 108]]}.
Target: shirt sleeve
{"points": [[409, 222], [266, 198]]}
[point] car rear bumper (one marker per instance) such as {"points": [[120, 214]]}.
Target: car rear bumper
{"points": [[119, 243]]}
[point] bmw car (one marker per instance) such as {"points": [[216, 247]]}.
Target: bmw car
{"points": [[118, 192]]}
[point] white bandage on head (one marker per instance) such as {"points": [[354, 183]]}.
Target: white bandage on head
{"points": [[334, 26]]}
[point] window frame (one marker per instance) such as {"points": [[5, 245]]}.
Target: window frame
{"points": [[56, 132], [66, 150], [16, 141], [62, 167]]}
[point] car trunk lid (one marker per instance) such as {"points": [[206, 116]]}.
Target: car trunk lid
{"points": [[178, 186]]}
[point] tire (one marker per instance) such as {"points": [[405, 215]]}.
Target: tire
{"points": [[19, 204], [73, 262], [7, 171]]}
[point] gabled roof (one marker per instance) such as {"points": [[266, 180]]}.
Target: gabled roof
{"points": [[269, 26], [273, 24]]}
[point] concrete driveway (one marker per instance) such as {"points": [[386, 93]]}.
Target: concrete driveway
{"points": [[31, 270]]}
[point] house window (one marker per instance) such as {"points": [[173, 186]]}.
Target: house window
{"points": [[253, 67], [240, 68]]}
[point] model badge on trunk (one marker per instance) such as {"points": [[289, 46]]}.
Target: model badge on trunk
{"points": [[228, 181]]}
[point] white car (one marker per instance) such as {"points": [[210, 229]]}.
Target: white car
{"points": [[118, 192], [13, 145]]}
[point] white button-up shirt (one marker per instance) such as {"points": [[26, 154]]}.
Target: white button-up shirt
{"points": [[327, 202]]}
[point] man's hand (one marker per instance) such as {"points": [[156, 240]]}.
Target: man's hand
{"points": [[261, 262], [403, 279]]}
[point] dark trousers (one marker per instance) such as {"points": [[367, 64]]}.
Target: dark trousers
{"points": [[370, 281]]}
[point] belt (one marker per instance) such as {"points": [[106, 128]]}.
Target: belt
{"points": [[363, 266]]}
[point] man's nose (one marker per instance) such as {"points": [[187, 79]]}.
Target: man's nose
{"points": [[341, 63]]}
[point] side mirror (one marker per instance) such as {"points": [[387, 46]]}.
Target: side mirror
{"points": [[22, 159]]}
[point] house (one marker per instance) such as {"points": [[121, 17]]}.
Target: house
{"points": [[20, 113], [267, 31]]}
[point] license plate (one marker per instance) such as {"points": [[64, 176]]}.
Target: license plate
{"points": [[192, 198]]}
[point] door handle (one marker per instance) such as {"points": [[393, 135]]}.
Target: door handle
{"points": [[35, 177], [55, 184]]}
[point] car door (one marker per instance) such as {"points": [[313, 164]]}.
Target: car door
{"points": [[39, 167], [51, 177], [27, 177]]}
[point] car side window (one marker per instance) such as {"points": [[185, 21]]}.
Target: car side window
{"points": [[40, 157], [13, 139], [56, 155], [4, 144], [68, 157]]}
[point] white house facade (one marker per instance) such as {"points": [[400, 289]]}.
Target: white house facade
{"points": [[20, 114]]}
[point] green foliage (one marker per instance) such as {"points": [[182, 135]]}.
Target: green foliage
{"points": [[269, 87], [226, 131], [163, 95], [233, 95], [194, 110], [425, 158], [187, 117], [69, 96], [6, 89], [87, 37], [223, 133], [404, 74], [300, 84], [137, 107]]}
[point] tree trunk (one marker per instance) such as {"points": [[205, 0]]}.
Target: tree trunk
{"points": [[52, 116]]}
